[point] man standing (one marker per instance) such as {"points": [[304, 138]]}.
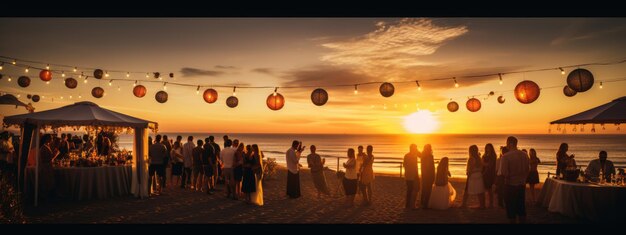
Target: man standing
{"points": [[215, 162], [187, 161], [207, 166], [515, 168], [227, 156], [411, 175], [293, 169], [156, 154]]}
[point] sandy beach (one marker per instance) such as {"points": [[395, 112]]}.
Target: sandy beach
{"points": [[176, 205]]}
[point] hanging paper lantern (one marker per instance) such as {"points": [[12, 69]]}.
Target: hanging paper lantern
{"points": [[319, 96], [453, 106], [210, 95], [139, 91], [527, 92], [232, 101], [98, 73], [275, 102], [491, 93], [157, 75], [161, 97], [386, 89], [29, 96], [171, 75], [23, 81], [71, 83], [97, 92], [501, 99], [473, 105], [45, 75], [569, 92], [35, 98], [580, 80]]}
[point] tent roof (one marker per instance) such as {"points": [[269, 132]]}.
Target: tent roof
{"points": [[612, 112], [79, 114], [12, 100]]}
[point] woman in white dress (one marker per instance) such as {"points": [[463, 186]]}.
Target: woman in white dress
{"points": [[257, 196], [475, 184], [443, 194]]}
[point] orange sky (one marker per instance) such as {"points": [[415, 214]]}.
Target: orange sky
{"points": [[321, 52]]}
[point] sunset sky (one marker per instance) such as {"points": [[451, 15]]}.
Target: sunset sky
{"points": [[322, 52]]}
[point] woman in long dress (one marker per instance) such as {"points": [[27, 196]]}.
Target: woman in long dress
{"points": [[257, 196], [350, 179], [367, 175], [475, 183], [533, 174], [248, 185], [489, 171], [428, 173], [316, 164], [443, 194]]}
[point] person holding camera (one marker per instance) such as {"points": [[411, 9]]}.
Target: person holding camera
{"points": [[293, 169]]}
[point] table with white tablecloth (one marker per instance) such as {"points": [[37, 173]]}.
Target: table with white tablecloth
{"points": [[84, 183], [584, 200]]}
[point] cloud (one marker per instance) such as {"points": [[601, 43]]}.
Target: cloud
{"points": [[324, 76], [267, 71], [397, 45], [584, 29], [225, 67], [194, 72]]}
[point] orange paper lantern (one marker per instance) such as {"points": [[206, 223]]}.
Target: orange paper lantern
{"points": [[139, 91], [453, 106], [97, 92], [473, 105], [161, 97], [71, 83], [275, 101], [210, 96], [527, 92], [45, 75]]}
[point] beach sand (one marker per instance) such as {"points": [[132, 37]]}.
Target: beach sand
{"points": [[176, 205]]}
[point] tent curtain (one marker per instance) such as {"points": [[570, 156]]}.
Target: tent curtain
{"points": [[139, 184], [26, 143]]}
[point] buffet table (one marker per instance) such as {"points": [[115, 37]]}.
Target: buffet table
{"points": [[584, 200], [84, 183]]}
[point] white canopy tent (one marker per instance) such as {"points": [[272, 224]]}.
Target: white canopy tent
{"points": [[85, 114]]}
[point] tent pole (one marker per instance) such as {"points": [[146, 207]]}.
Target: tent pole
{"points": [[36, 136]]}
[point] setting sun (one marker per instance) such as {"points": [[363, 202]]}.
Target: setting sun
{"points": [[421, 122]]}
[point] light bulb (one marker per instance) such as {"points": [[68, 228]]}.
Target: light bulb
{"points": [[106, 74], [75, 69], [14, 62], [198, 90], [456, 84], [18, 95], [1, 66], [70, 97], [562, 71], [85, 81], [419, 88], [62, 74], [48, 66], [111, 83], [356, 90], [500, 75], [234, 91], [118, 88], [9, 79], [147, 75], [61, 97], [165, 86], [600, 85], [135, 84], [26, 70], [80, 96], [47, 82], [127, 75]]}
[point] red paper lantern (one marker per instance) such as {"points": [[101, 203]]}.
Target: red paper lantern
{"points": [[97, 92], [569, 92], [527, 92], [23, 81], [275, 101], [501, 99], [580, 80], [386, 89], [473, 105], [139, 91], [232, 101], [98, 73], [319, 96], [161, 97], [45, 75], [210, 95], [71, 83], [453, 106]]}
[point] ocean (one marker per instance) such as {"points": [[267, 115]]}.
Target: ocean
{"points": [[389, 150]]}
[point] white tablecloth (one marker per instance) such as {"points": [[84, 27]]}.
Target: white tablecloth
{"points": [[83, 183], [584, 200]]}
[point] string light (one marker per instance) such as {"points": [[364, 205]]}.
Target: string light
{"points": [[75, 69], [456, 84], [419, 88], [275, 89], [26, 70], [500, 75], [110, 82], [48, 66], [600, 85], [198, 90], [18, 95], [118, 88], [80, 96], [127, 74], [81, 75], [1, 65], [47, 82], [85, 81], [14, 62], [356, 90], [9, 79], [147, 75], [106, 74], [70, 97], [562, 71], [165, 86], [234, 91], [62, 74], [135, 84]]}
